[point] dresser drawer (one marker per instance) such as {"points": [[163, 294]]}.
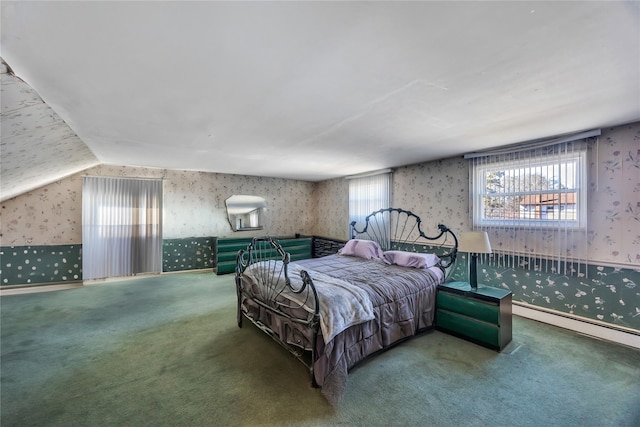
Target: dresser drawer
{"points": [[473, 329], [481, 310], [226, 251]]}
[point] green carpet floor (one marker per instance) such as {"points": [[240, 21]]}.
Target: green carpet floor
{"points": [[165, 350]]}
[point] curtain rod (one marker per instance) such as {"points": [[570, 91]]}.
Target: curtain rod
{"points": [[530, 145], [367, 174]]}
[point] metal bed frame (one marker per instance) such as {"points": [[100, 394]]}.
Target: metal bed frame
{"points": [[392, 228]]}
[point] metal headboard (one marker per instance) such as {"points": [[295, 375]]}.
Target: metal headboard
{"points": [[399, 229]]}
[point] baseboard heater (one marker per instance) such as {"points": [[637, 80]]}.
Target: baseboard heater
{"points": [[625, 336]]}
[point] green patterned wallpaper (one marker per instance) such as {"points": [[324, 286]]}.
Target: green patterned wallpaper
{"points": [[32, 265], [41, 265], [605, 294], [187, 254]]}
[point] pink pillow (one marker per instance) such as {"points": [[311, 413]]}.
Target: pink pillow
{"points": [[367, 249], [410, 259]]}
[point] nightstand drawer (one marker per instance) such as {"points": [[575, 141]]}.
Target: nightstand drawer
{"points": [[468, 327], [482, 310]]}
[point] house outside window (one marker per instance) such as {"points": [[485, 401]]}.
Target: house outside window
{"points": [[545, 192]]}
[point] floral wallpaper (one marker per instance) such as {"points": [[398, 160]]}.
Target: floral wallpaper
{"points": [[46, 264], [331, 200], [437, 191], [187, 254], [193, 206], [35, 135], [31, 265], [194, 211], [614, 196], [608, 291], [605, 294]]}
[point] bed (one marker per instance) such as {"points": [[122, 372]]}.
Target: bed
{"points": [[333, 312]]}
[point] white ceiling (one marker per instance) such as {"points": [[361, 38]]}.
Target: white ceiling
{"points": [[317, 90]]}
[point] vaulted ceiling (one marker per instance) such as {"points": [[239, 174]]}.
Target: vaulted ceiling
{"points": [[38, 147], [310, 90]]}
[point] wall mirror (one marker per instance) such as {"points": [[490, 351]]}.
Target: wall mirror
{"points": [[246, 212]]}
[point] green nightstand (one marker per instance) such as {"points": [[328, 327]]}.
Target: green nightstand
{"points": [[481, 315]]}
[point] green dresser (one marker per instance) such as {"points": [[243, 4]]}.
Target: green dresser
{"points": [[226, 250], [481, 315]]}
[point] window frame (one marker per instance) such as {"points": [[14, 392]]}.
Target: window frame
{"points": [[480, 172]]}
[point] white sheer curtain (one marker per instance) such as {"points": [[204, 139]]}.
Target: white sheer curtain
{"points": [[121, 226], [368, 194]]}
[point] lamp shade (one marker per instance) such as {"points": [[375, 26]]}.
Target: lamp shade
{"points": [[474, 242]]}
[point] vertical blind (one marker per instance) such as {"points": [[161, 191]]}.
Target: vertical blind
{"points": [[368, 194], [121, 226], [532, 203]]}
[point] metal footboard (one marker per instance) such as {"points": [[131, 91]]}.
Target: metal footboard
{"points": [[287, 307]]}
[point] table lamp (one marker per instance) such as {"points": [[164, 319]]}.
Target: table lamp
{"points": [[474, 242]]}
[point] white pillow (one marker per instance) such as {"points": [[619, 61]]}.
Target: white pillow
{"points": [[410, 259], [367, 249]]}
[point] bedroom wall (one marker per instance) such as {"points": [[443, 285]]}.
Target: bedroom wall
{"points": [[331, 204], [44, 227], [438, 191]]}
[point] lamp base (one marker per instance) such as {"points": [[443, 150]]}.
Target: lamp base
{"points": [[473, 272]]}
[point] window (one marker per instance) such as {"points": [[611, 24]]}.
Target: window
{"points": [[368, 194], [121, 226], [531, 199], [543, 191]]}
